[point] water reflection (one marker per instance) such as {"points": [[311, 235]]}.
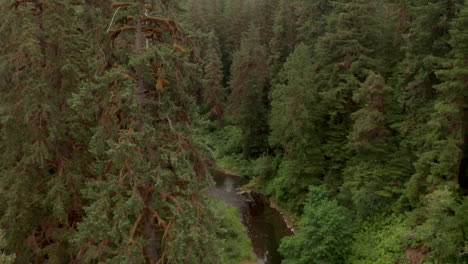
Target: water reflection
{"points": [[265, 225]]}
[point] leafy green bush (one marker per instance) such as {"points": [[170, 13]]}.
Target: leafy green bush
{"points": [[379, 242], [232, 137], [325, 232], [441, 225]]}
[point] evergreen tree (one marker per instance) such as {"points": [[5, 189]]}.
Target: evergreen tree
{"points": [[204, 15], [437, 221], [426, 49], [369, 122], [248, 85], [376, 170], [311, 19], [283, 39], [143, 188], [214, 93], [295, 119], [450, 118], [344, 57], [236, 23], [99, 101], [262, 14], [41, 164]]}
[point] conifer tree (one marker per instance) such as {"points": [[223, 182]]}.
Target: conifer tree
{"points": [[214, 93], [452, 108], [295, 119], [283, 38], [369, 122], [311, 19], [196, 14], [214, 15], [143, 188], [376, 170], [236, 23], [248, 85], [204, 15], [262, 14], [296, 21], [98, 101], [40, 162], [429, 134], [344, 56]]}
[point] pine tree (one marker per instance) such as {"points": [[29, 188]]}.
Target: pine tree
{"points": [[432, 188], [248, 92], [40, 161], [214, 10], [450, 119], [262, 14], [369, 121], [204, 15], [284, 38], [295, 121], [143, 195], [344, 57], [426, 53], [236, 23], [312, 19], [214, 93]]}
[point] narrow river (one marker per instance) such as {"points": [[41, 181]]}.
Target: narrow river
{"points": [[265, 225]]}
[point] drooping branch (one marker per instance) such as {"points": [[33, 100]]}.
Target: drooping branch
{"points": [[115, 33], [171, 25]]}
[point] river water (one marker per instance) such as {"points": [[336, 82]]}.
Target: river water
{"points": [[265, 225]]}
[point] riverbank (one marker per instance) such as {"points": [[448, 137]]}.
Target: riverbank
{"points": [[265, 223]]}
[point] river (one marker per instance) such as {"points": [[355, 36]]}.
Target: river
{"points": [[265, 225]]}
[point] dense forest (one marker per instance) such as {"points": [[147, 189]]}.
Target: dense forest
{"points": [[350, 114]]}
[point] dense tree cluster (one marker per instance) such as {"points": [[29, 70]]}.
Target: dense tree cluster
{"points": [[366, 99], [98, 160], [352, 114]]}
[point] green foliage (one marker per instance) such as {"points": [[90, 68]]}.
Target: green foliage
{"points": [[442, 226], [40, 66], [234, 243], [325, 232], [379, 242], [442, 138], [265, 166], [236, 22], [100, 161], [369, 127], [214, 93], [295, 120], [284, 37], [248, 105], [232, 136], [311, 20], [4, 258]]}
